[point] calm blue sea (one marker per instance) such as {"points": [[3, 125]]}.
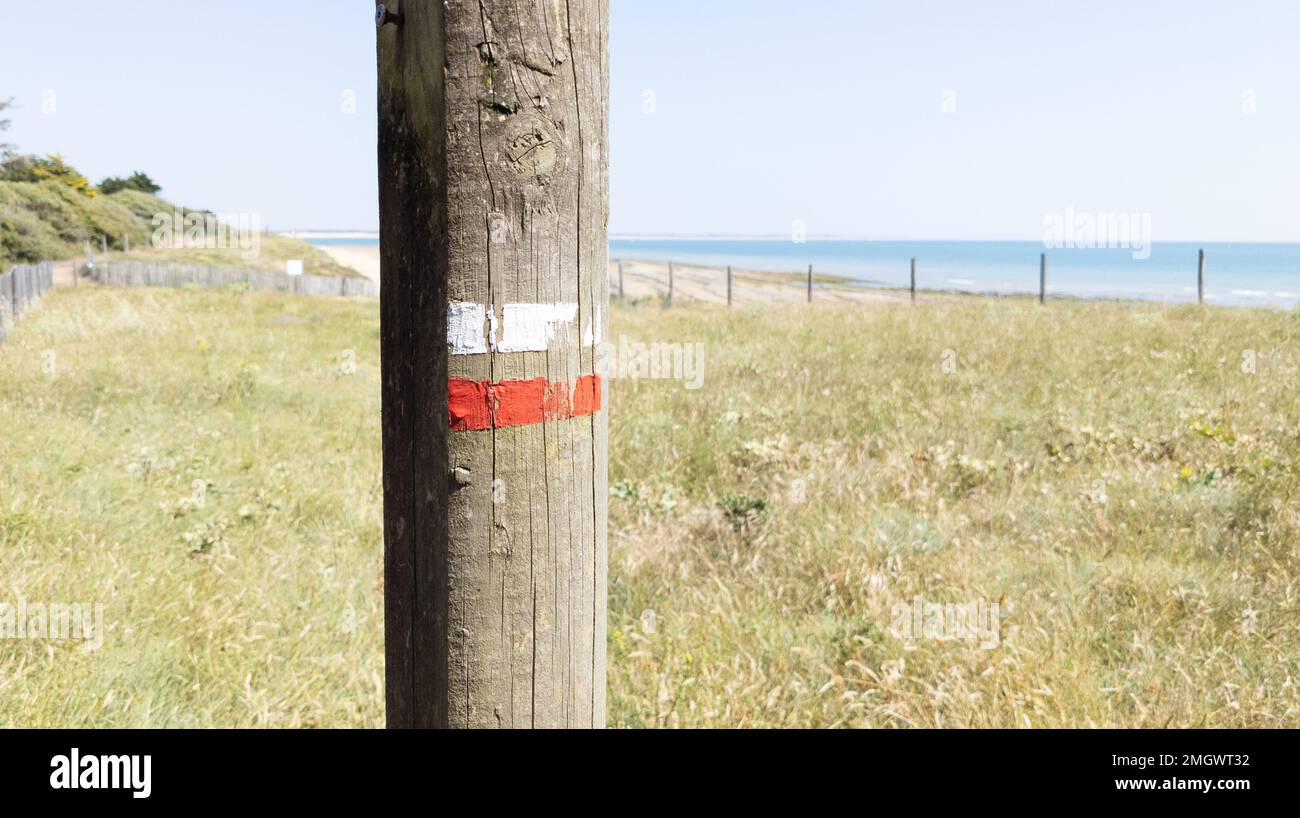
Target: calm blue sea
{"points": [[1236, 274]]}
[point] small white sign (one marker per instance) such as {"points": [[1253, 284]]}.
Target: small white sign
{"points": [[294, 266]]}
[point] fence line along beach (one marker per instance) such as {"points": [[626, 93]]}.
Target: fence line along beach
{"points": [[776, 270]]}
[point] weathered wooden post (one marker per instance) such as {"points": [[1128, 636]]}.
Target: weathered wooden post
{"points": [[1042, 279], [913, 279], [620, 279], [493, 179], [103, 244], [126, 242], [810, 274], [670, 284], [1200, 279], [5, 318], [12, 296], [728, 285]]}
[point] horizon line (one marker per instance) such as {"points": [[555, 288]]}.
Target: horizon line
{"points": [[651, 236]]}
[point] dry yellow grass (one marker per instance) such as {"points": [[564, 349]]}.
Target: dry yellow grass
{"points": [[1118, 478]]}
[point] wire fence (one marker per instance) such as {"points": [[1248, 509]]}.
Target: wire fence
{"points": [[714, 282]]}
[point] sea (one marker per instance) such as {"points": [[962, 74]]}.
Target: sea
{"points": [[1237, 274]]}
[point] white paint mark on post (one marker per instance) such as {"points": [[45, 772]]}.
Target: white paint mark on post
{"points": [[522, 327], [532, 327], [465, 328]]}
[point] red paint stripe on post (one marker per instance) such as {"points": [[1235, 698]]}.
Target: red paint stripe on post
{"points": [[475, 406]]}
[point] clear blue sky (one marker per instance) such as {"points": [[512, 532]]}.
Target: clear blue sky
{"points": [[826, 111]]}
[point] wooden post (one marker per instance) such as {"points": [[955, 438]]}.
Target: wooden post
{"points": [[103, 243], [810, 271], [620, 279], [1200, 279], [913, 279], [670, 284], [493, 179], [126, 242], [1042, 279], [728, 285]]}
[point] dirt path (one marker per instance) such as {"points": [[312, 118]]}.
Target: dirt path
{"points": [[65, 273]]}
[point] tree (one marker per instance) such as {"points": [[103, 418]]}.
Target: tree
{"points": [[137, 181], [52, 167], [4, 125], [493, 121]]}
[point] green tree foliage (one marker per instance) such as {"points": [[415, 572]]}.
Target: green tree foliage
{"points": [[25, 168], [4, 125], [137, 181]]}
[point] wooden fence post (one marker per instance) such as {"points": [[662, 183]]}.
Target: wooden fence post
{"points": [[1042, 279], [810, 274], [728, 285], [620, 279], [126, 242], [670, 284], [1200, 279], [494, 431], [913, 279], [4, 303]]}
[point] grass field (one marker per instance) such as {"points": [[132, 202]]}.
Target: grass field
{"points": [[1121, 480]]}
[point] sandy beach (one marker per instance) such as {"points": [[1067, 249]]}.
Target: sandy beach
{"points": [[643, 279], [362, 258]]}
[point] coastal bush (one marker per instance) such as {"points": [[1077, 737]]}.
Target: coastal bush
{"points": [[143, 205], [49, 220], [137, 181], [29, 168]]}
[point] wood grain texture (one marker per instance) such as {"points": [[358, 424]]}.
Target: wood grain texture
{"points": [[493, 178]]}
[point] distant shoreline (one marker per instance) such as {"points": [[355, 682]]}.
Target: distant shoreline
{"points": [[330, 234]]}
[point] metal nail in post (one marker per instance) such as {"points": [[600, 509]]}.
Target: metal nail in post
{"points": [[384, 15]]}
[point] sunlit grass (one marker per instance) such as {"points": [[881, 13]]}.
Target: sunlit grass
{"points": [[1121, 479], [206, 464]]}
